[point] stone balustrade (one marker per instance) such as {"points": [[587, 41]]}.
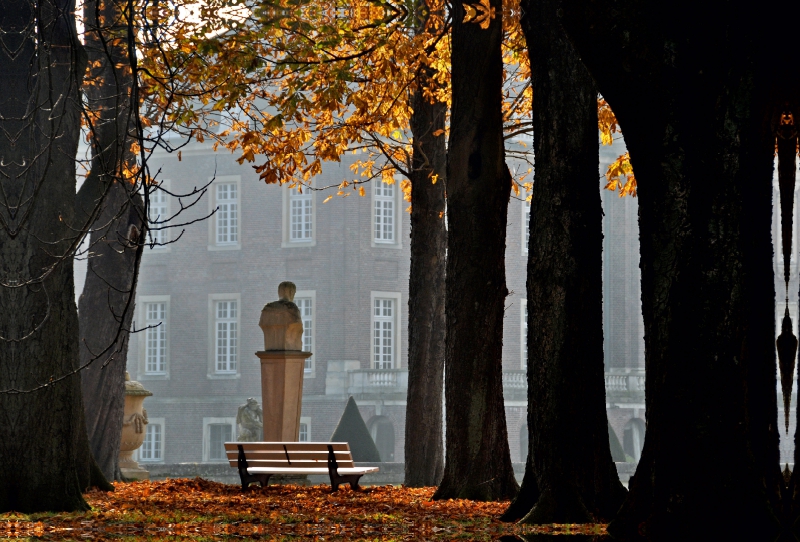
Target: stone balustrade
{"points": [[377, 381], [625, 380]]}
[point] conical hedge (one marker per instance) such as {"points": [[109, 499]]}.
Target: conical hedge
{"points": [[353, 430], [617, 453]]}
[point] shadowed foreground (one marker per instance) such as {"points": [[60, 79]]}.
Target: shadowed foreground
{"points": [[178, 509]]}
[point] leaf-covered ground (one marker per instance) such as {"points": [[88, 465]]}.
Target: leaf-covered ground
{"points": [[200, 508]]}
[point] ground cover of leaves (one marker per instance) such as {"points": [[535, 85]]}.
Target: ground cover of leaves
{"points": [[202, 509]]}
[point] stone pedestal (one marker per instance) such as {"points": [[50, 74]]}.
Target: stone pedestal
{"points": [[133, 429], [282, 366], [282, 393]]}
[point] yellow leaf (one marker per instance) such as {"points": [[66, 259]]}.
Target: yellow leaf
{"points": [[438, 132], [326, 200], [361, 191], [434, 178]]}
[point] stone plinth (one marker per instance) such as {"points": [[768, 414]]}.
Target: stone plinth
{"points": [[133, 429], [282, 366], [282, 393]]}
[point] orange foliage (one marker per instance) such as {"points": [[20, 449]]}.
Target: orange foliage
{"points": [[199, 507]]}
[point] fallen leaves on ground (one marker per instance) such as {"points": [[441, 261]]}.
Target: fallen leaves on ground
{"points": [[199, 507]]}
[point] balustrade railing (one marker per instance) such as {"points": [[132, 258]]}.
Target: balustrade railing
{"points": [[378, 381], [632, 381]]}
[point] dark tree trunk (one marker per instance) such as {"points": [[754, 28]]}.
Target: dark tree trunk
{"points": [[576, 480], [424, 451], [685, 89], [44, 447], [477, 462], [106, 305], [106, 312]]}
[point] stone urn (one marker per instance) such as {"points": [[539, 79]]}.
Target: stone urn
{"points": [[133, 429]]}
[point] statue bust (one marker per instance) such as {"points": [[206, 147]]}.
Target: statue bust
{"points": [[281, 322], [249, 422]]}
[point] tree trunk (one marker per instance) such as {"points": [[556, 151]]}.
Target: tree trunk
{"points": [[44, 445], [424, 452], [106, 305], [477, 462], [685, 90], [576, 480]]}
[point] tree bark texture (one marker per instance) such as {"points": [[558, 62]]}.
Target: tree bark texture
{"points": [[687, 89], [106, 304], [576, 480], [44, 447], [424, 450], [477, 459]]}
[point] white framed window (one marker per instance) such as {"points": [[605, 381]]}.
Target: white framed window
{"points": [[386, 218], [216, 432], [305, 430], [299, 217], [305, 301], [227, 213], [226, 339], [384, 213], [154, 341], [301, 220], [224, 310], [225, 225], [158, 214], [385, 309], [526, 225], [523, 334], [152, 449], [156, 337]]}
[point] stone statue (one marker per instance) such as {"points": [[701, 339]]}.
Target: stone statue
{"points": [[249, 422], [281, 321]]}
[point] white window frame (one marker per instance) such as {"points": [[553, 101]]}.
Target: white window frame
{"points": [[304, 420], [153, 422], [159, 212], [396, 354], [207, 423], [526, 224], [212, 372], [142, 323], [290, 195], [213, 203], [310, 365], [523, 334], [226, 336], [397, 216]]}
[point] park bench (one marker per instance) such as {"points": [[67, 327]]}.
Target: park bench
{"points": [[258, 461]]}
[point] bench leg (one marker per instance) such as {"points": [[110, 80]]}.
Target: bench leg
{"points": [[337, 479], [247, 479]]}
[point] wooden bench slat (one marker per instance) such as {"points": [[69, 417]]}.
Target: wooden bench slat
{"points": [[290, 446], [293, 464], [293, 456], [277, 470]]}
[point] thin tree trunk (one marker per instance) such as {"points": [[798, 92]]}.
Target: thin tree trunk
{"points": [[477, 461], [686, 92], [576, 480], [44, 447], [106, 307], [424, 451]]}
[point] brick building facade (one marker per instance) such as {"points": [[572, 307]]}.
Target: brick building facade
{"points": [[350, 261]]}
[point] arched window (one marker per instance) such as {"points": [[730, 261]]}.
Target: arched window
{"points": [[633, 438], [382, 431]]}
